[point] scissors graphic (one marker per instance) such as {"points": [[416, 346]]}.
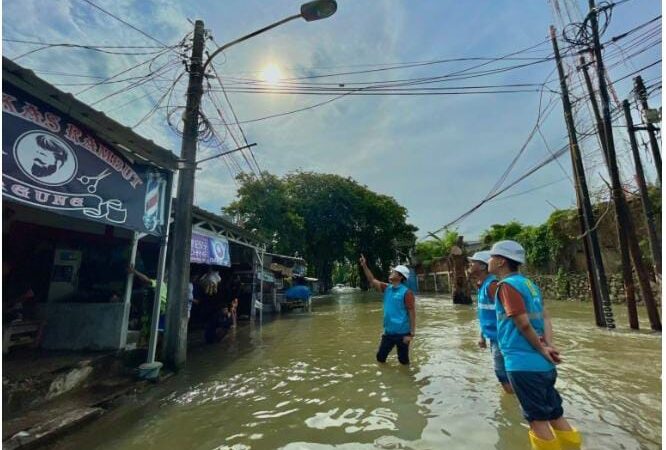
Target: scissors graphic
{"points": [[86, 180]]}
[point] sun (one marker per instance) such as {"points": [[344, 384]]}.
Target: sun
{"points": [[271, 74]]}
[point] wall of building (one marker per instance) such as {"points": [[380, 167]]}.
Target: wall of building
{"points": [[78, 326]]}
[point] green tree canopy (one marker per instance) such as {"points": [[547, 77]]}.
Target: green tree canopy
{"points": [[430, 249], [326, 218]]}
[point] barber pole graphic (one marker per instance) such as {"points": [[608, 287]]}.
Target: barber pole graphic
{"points": [[154, 203]]}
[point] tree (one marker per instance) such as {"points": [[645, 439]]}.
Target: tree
{"points": [[328, 219], [430, 249], [499, 232], [540, 242], [266, 206]]}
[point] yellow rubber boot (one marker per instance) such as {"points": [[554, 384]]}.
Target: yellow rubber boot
{"points": [[569, 439], [542, 444]]}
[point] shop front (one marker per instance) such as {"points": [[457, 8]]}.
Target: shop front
{"points": [[224, 266], [80, 194]]}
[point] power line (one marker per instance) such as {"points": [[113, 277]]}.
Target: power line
{"points": [[409, 92], [316, 105], [529, 191], [126, 23], [408, 82], [136, 84], [233, 112], [85, 47], [135, 66], [70, 44]]}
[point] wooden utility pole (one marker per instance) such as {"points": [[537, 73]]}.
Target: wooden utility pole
{"points": [[655, 246], [622, 215], [641, 93], [625, 257], [595, 265]]}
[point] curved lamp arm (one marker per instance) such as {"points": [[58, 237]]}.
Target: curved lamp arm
{"points": [[246, 37], [310, 11]]}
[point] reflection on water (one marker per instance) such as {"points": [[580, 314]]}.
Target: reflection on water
{"points": [[309, 381]]}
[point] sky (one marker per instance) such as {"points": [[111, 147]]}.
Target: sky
{"points": [[437, 155]]}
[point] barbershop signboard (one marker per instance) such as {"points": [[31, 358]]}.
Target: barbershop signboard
{"points": [[210, 250], [52, 162]]}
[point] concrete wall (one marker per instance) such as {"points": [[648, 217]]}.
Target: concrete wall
{"points": [[575, 286], [77, 326]]}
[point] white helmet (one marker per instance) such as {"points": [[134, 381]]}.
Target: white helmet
{"points": [[509, 249], [402, 270], [483, 256]]}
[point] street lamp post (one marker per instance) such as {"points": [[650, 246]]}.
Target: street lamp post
{"points": [[176, 323]]}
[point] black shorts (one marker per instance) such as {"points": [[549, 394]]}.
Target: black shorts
{"points": [[537, 395], [386, 345]]}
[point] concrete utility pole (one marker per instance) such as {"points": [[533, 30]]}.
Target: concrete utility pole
{"points": [[595, 265], [176, 316], [595, 107], [625, 257], [176, 327], [642, 97], [655, 246], [623, 217]]}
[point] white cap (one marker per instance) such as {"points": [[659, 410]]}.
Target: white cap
{"points": [[509, 249], [402, 270], [483, 256]]}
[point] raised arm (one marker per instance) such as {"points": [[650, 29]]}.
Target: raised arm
{"points": [[139, 275], [368, 274]]}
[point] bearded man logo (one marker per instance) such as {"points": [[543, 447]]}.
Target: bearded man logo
{"points": [[45, 158]]}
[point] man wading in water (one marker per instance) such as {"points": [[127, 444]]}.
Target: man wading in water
{"points": [[487, 288], [525, 336], [399, 312]]}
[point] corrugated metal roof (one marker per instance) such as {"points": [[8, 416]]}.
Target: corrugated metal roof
{"points": [[199, 213]]}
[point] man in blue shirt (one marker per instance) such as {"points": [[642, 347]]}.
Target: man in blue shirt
{"points": [[525, 334], [487, 287], [399, 312]]}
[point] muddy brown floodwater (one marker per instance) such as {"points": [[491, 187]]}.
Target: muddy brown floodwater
{"points": [[309, 381]]}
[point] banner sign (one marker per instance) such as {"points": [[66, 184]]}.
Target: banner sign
{"points": [[210, 250], [53, 162], [266, 276]]}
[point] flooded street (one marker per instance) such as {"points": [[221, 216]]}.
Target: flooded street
{"points": [[309, 381]]}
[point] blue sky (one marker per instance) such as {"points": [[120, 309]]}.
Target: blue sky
{"points": [[438, 155]]}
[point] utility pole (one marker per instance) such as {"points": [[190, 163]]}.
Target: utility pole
{"points": [[622, 215], [625, 257], [595, 265], [595, 107], [176, 316], [655, 246], [642, 97]]}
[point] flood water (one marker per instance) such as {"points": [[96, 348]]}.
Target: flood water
{"points": [[309, 381]]}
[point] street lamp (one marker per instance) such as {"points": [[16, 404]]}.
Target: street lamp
{"points": [[176, 326], [311, 11]]}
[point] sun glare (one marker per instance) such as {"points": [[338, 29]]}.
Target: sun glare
{"points": [[271, 74]]}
